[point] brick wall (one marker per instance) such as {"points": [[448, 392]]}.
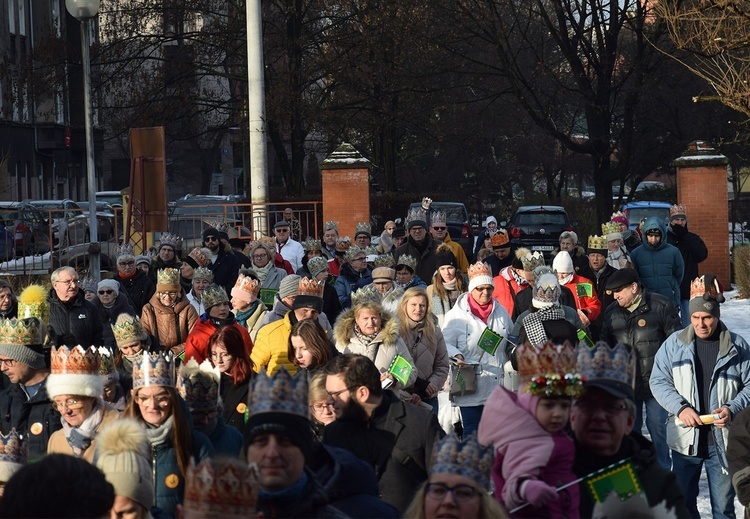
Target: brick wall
{"points": [[702, 189], [346, 189]]}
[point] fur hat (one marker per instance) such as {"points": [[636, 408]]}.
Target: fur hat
{"points": [[122, 454], [33, 302], [75, 371], [289, 286], [479, 274]]}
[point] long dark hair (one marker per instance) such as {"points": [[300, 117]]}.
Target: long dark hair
{"points": [[231, 339], [315, 340]]}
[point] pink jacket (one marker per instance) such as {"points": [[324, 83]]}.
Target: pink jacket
{"points": [[524, 450]]}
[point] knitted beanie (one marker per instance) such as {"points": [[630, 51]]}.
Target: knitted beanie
{"points": [[288, 286], [109, 284]]}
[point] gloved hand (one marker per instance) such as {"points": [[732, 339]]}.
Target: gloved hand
{"points": [[426, 203], [538, 493]]}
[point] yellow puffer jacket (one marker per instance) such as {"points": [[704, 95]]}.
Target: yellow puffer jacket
{"points": [[270, 350]]}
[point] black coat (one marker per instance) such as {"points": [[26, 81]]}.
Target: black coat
{"points": [[425, 256], [109, 317], [139, 289], [234, 399], [226, 268], [497, 264], [78, 318], [644, 330], [693, 251], [738, 455], [558, 331], [600, 283], [34, 417], [397, 441]]}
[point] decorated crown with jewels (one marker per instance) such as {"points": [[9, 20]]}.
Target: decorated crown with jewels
{"points": [[168, 276], [548, 370], [203, 273], [279, 393], [312, 244], [127, 329], [107, 365], [367, 294], [499, 238], [220, 487], [531, 260], [75, 361], [126, 249], [362, 227], [247, 284], [213, 295], [310, 287], [438, 217], [343, 244], [479, 268], [88, 284], [415, 214], [407, 260], [201, 255], [467, 458], [352, 252], [198, 385], [606, 363], [170, 239], [610, 228], [23, 332], [677, 209], [154, 369], [331, 226], [13, 449], [384, 260], [33, 302]]}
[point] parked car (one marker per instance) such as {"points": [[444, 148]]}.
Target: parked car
{"points": [[636, 211], [29, 227], [538, 227], [113, 198], [190, 215], [457, 221], [105, 216]]}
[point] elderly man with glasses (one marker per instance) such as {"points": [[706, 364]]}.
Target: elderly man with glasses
{"points": [[72, 319], [291, 250]]}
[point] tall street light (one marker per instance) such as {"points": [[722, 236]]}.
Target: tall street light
{"points": [[84, 11]]}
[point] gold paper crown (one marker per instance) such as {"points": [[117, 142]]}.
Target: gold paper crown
{"points": [[331, 226], [408, 260], [127, 330], [312, 244], [75, 361], [213, 295], [168, 276], [201, 255], [203, 273], [532, 260], [126, 249], [499, 238], [597, 243], [384, 260], [677, 209], [220, 487], [479, 268], [343, 243], [13, 449], [107, 365], [367, 294], [610, 228], [438, 217], [32, 302], [548, 371], [172, 240], [466, 458], [23, 332], [362, 227], [247, 284], [310, 287], [198, 385], [279, 393], [352, 252], [88, 284], [154, 369]]}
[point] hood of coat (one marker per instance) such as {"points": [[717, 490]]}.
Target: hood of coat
{"points": [[344, 329], [657, 223]]}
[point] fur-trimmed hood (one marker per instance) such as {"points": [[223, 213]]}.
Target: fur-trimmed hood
{"points": [[344, 328]]}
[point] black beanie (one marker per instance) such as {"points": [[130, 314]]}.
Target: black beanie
{"points": [[444, 257], [305, 301], [211, 231], [293, 426]]}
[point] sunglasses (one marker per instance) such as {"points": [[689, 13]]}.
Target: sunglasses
{"points": [[108, 292], [211, 238], [282, 230], [439, 228]]}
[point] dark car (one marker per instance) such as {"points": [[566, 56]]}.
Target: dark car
{"points": [[457, 220], [538, 227]]}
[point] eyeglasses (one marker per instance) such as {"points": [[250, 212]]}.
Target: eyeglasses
{"points": [[108, 292], [221, 356], [319, 408], [435, 228], [259, 256], [126, 263], [335, 394], [210, 238], [162, 400], [7, 362], [282, 230], [488, 288], [167, 294], [438, 492], [610, 409], [71, 405], [358, 259], [68, 281]]}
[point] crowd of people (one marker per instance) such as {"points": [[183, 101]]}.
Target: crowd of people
{"points": [[379, 376]]}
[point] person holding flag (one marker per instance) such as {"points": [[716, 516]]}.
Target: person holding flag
{"points": [[586, 300], [475, 332]]}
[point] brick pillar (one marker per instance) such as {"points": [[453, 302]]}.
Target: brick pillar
{"points": [[702, 189], [346, 188]]}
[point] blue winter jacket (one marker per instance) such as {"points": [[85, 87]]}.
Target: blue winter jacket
{"points": [[227, 441], [661, 267], [674, 385]]}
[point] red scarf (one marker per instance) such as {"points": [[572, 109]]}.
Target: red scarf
{"points": [[482, 312], [123, 276]]}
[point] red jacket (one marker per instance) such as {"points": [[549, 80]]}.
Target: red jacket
{"points": [[196, 346], [590, 305], [506, 287]]}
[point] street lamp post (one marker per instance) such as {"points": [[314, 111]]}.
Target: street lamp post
{"points": [[84, 11]]}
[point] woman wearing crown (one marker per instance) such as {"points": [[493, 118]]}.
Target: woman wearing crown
{"points": [[164, 415], [75, 387]]}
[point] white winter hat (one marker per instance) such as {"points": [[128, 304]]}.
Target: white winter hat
{"points": [[75, 371], [562, 263]]}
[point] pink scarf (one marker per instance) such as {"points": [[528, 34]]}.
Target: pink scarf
{"points": [[482, 312]]}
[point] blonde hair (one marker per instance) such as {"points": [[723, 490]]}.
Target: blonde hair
{"points": [[429, 328], [317, 389], [489, 508]]}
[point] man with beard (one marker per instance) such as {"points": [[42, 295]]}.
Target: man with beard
{"points": [[395, 437], [224, 264], [419, 244], [693, 251]]}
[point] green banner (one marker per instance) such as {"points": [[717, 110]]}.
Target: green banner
{"points": [[489, 341], [584, 337], [267, 295], [585, 289], [401, 369], [621, 479]]}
